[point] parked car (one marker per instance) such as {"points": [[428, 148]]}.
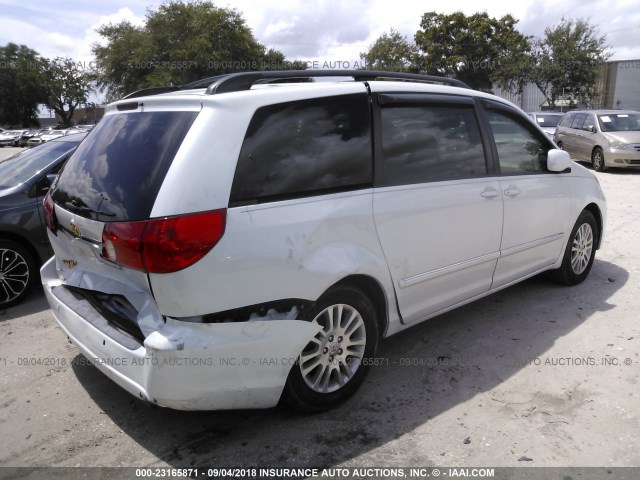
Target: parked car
{"points": [[28, 134], [547, 121], [24, 179], [45, 137], [606, 138], [11, 138], [223, 246]]}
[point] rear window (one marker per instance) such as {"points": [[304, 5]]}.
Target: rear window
{"points": [[21, 167], [116, 173]]}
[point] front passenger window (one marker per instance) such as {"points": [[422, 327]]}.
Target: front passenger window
{"points": [[520, 150], [589, 124]]}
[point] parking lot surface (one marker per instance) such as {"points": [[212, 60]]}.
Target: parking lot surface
{"points": [[536, 375]]}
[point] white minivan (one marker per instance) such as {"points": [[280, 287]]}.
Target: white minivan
{"points": [[242, 240]]}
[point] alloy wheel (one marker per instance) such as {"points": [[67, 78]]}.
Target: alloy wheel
{"points": [[334, 355], [581, 248], [14, 275]]}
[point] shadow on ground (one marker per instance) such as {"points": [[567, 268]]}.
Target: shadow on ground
{"points": [[34, 302], [474, 348]]}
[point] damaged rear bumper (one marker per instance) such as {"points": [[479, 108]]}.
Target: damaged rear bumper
{"points": [[184, 365]]}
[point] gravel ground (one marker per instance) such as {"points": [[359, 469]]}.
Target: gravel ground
{"points": [[535, 375]]}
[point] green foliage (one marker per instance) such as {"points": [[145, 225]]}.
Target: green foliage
{"points": [[566, 62], [179, 43], [391, 52], [67, 86], [477, 49], [20, 85]]}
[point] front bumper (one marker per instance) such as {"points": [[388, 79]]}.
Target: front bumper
{"points": [[622, 158], [183, 365]]}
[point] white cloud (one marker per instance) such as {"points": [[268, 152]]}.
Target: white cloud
{"points": [[52, 43], [307, 30]]}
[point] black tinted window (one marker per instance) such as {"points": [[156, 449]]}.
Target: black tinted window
{"points": [[120, 166], [520, 150], [304, 148], [430, 143]]}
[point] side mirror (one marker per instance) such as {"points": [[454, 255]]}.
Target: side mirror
{"points": [[591, 128], [558, 160]]}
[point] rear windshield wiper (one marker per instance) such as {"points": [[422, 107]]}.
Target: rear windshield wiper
{"points": [[82, 209]]}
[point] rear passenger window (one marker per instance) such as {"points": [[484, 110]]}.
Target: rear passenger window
{"points": [[520, 150], [305, 148], [430, 143], [566, 120]]}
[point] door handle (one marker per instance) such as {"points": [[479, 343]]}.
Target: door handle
{"points": [[490, 193], [512, 191]]}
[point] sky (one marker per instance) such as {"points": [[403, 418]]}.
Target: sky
{"points": [[309, 30]]}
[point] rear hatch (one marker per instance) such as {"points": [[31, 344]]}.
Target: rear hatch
{"points": [[105, 192]]}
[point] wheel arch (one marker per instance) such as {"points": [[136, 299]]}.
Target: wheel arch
{"points": [[19, 239], [593, 149], [374, 291], [595, 211]]}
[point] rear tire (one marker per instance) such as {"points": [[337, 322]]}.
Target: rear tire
{"points": [[580, 252], [18, 272], [334, 364]]}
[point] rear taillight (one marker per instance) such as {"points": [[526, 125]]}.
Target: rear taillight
{"points": [[163, 245], [50, 213]]}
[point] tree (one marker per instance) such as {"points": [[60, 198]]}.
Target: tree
{"points": [[67, 87], [392, 52], [566, 61], [179, 43], [478, 50], [21, 88]]}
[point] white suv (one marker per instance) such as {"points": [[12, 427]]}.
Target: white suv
{"points": [[243, 239]]}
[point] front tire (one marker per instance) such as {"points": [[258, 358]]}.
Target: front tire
{"points": [[335, 362], [17, 273], [597, 160], [580, 252]]}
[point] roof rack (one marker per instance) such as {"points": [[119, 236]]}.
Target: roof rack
{"points": [[236, 82]]}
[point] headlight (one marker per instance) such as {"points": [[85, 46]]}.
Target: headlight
{"points": [[617, 145]]}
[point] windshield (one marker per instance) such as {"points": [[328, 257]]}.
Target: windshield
{"points": [[21, 167], [619, 122], [549, 120]]}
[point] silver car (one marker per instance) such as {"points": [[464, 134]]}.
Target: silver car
{"points": [[606, 138], [547, 121]]}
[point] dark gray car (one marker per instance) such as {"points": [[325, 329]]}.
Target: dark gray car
{"points": [[24, 181]]}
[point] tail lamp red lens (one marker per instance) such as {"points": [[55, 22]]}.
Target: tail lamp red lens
{"points": [[50, 213], [163, 245]]}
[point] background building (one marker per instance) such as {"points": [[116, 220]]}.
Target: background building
{"points": [[618, 84]]}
